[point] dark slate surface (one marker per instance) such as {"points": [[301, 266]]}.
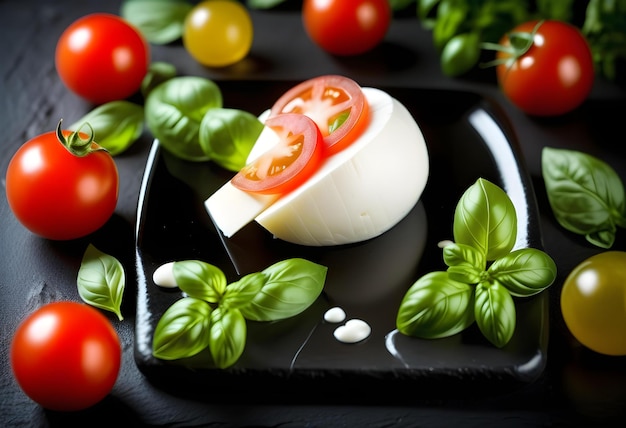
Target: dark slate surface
{"points": [[577, 387]]}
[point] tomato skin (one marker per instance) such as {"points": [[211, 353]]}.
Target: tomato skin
{"points": [[554, 76], [346, 27], [66, 356], [58, 195], [294, 130], [218, 33], [323, 98], [102, 58], [593, 302]]}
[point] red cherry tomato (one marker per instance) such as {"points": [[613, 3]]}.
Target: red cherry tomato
{"points": [[336, 104], [555, 74], [102, 58], [289, 163], [66, 356], [346, 27], [57, 194]]}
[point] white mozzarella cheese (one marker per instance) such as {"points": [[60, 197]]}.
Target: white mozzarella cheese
{"points": [[357, 194]]}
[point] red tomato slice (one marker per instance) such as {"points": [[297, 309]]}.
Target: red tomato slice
{"points": [[288, 164], [336, 104]]}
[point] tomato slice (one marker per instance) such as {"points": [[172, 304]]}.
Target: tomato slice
{"points": [[336, 104], [290, 162]]}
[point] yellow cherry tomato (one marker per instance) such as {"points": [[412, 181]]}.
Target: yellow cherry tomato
{"points": [[593, 302], [218, 33]]}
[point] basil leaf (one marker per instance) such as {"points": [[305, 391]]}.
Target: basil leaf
{"points": [[160, 21], [451, 15], [263, 4], [158, 72], [117, 124], [494, 311], [586, 195], [228, 336], [524, 272], [436, 306], [174, 110], [101, 281], [228, 135], [200, 280], [485, 219], [466, 264], [183, 330], [242, 292], [292, 286]]}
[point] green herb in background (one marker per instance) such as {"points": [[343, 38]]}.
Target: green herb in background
{"points": [[160, 21], [440, 304], [605, 29], [116, 124], [214, 313], [586, 195]]}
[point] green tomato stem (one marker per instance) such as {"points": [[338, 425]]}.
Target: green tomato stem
{"points": [[520, 43], [76, 144]]}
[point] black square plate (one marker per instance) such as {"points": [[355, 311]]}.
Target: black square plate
{"points": [[467, 137]]}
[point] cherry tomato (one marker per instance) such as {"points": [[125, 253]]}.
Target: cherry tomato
{"points": [[61, 186], [102, 58], [66, 356], [554, 75], [218, 33], [346, 27], [593, 302], [336, 103], [290, 162]]}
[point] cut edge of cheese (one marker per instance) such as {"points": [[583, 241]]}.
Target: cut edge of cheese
{"points": [[231, 208]]}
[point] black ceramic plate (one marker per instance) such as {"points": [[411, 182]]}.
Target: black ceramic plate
{"points": [[467, 137]]}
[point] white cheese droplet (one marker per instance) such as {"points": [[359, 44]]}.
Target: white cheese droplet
{"points": [[163, 276], [353, 331], [335, 315]]}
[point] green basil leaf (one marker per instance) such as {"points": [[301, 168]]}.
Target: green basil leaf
{"points": [[524, 272], [292, 286], [116, 124], [586, 195], [263, 4], [494, 311], [465, 263], [160, 21], [228, 336], [174, 111], [158, 72], [200, 280], [101, 281], [228, 135], [183, 330], [242, 292], [485, 219], [460, 54], [397, 5], [436, 306], [451, 16]]}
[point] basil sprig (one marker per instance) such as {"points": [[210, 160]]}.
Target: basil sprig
{"points": [[483, 273], [213, 314], [101, 281], [586, 195]]}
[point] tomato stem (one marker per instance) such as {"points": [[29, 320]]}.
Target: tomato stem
{"points": [[519, 43], [75, 143]]}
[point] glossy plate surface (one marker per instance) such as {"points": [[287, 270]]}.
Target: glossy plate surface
{"points": [[467, 137]]}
